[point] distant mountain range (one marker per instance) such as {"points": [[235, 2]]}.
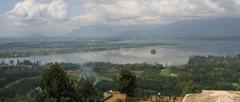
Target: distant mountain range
{"points": [[185, 28]]}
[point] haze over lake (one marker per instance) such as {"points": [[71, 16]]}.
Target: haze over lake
{"points": [[165, 54]]}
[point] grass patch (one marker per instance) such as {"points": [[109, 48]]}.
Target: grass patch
{"points": [[99, 77], [139, 74], [166, 72]]}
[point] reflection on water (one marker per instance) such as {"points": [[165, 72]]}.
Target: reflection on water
{"points": [[170, 55]]}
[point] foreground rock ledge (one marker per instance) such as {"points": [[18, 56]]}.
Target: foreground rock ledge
{"points": [[213, 96]]}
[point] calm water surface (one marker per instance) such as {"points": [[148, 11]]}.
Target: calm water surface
{"points": [[170, 55]]}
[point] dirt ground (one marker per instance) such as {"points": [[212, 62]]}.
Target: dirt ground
{"points": [[213, 96]]}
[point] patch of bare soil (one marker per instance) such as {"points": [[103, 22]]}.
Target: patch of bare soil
{"points": [[213, 96]]}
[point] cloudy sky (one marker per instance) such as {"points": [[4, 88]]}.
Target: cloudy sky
{"points": [[59, 17]]}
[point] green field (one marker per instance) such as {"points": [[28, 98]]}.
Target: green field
{"points": [[166, 72]]}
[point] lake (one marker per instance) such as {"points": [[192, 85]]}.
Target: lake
{"points": [[167, 55]]}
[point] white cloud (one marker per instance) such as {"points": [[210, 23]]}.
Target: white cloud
{"points": [[87, 18], [59, 15], [153, 11], [57, 9], [124, 11], [34, 12], [27, 9]]}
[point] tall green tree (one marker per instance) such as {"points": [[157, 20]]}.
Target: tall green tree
{"points": [[56, 86], [88, 92], [127, 82]]}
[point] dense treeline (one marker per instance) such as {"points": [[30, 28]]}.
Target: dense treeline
{"points": [[201, 72], [104, 67], [56, 86], [12, 73], [222, 73], [151, 79], [17, 80]]}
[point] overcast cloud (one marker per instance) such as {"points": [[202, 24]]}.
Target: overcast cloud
{"points": [[62, 16]]}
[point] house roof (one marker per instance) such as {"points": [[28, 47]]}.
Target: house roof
{"points": [[113, 96]]}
